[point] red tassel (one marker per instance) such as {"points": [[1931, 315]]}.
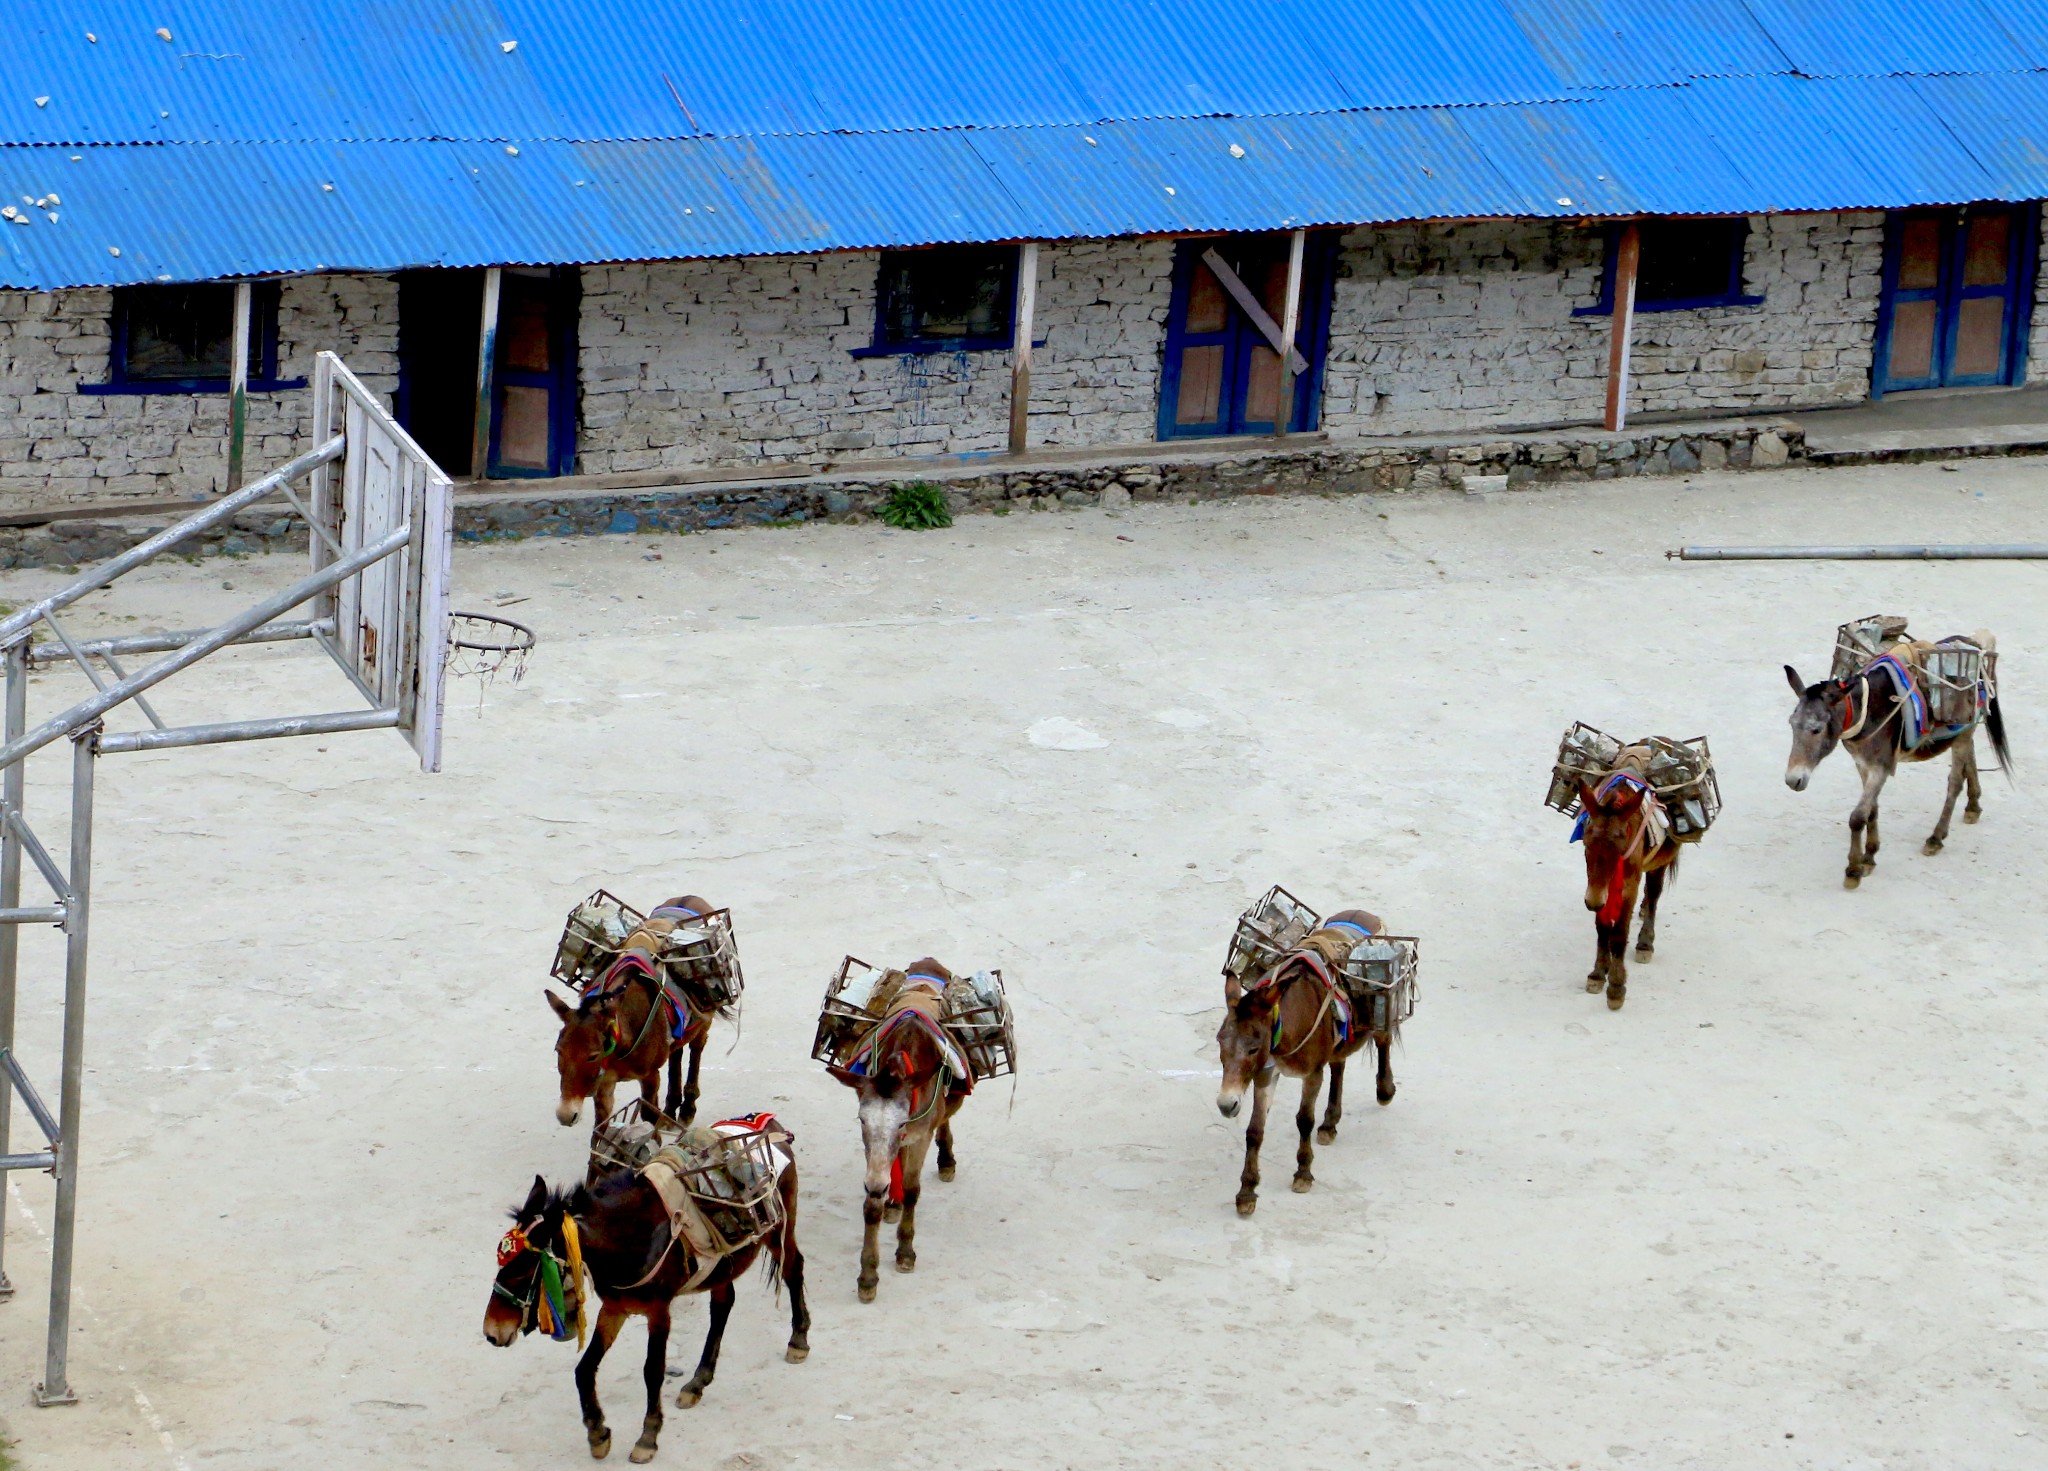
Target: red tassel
{"points": [[1610, 912], [896, 1180]]}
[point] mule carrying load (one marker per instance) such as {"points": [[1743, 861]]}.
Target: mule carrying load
{"points": [[1376, 972], [972, 1012], [1680, 774], [1944, 687], [695, 954], [718, 1183]]}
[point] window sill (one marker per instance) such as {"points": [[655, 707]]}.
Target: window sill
{"points": [[188, 386], [926, 349], [1686, 304]]}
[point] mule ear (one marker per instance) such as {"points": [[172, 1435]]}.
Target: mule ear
{"points": [[847, 1076], [579, 1201], [1233, 988], [560, 1007], [536, 1198], [1792, 678]]}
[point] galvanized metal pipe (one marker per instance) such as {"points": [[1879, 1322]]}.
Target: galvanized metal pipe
{"points": [[2018, 551], [56, 1388], [228, 731], [19, 1083], [42, 1159], [15, 625], [12, 784], [157, 643], [188, 654], [33, 846], [34, 914]]}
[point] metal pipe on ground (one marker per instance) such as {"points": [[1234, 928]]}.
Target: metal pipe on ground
{"points": [[2019, 551]]}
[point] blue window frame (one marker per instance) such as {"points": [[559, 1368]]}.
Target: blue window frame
{"points": [[1956, 298], [1220, 373], [179, 339], [948, 298], [1685, 265]]}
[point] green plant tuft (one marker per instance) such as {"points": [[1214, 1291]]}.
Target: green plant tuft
{"points": [[919, 506]]}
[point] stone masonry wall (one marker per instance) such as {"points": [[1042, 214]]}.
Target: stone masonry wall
{"points": [[1437, 328], [2037, 333], [59, 447], [735, 362]]}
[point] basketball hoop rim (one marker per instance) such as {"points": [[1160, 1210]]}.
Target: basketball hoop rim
{"points": [[520, 640]]}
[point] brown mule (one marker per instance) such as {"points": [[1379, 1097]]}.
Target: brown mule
{"points": [[1288, 1021], [620, 1033], [637, 1270], [1629, 852], [907, 1100]]}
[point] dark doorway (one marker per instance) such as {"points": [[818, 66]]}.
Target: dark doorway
{"points": [[440, 316], [1222, 375], [1957, 296]]}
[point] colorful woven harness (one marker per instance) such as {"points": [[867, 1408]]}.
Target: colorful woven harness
{"points": [[1651, 827], [1334, 999], [1916, 726], [957, 1075], [621, 974], [548, 1303]]}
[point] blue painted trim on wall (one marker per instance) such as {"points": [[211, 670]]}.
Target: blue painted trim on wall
{"points": [[885, 346], [1733, 296], [1948, 293], [562, 381], [262, 374]]}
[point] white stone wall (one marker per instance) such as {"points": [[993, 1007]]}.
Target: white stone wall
{"points": [[61, 447], [737, 362], [2037, 332], [1442, 328]]}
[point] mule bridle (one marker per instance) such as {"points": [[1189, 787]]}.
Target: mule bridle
{"points": [[562, 1299]]}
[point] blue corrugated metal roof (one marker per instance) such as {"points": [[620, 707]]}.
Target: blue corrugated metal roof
{"points": [[272, 136]]}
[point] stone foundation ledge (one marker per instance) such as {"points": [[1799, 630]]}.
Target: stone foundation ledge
{"points": [[1304, 466]]}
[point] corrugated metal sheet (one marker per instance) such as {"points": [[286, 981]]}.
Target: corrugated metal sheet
{"points": [[273, 136]]}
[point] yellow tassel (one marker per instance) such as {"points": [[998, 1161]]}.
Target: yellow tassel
{"points": [[575, 1247]]}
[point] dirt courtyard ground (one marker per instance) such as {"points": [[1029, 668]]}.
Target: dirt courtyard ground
{"points": [[1784, 1210]]}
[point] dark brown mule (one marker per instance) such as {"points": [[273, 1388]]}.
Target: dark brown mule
{"points": [[621, 1034], [1630, 852], [1878, 744], [637, 1270], [907, 1100], [1288, 1022]]}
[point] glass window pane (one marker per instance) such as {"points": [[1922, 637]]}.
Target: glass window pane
{"points": [[1208, 306], [1201, 386], [1685, 260], [1920, 254], [180, 331], [1912, 341], [946, 294], [1980, 336], [1985, 250], [523, 428]]}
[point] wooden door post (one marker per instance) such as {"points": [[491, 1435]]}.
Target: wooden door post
{"points": [[1020, 350], [238, 384], [1628, 255], [486, 375], [1290, 324]]}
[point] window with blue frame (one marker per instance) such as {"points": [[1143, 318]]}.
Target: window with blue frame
{"points": [[180, 339], [1685, 264], [949, 298]]}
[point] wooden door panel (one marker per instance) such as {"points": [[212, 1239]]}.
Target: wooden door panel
{"points": [[1912, 354]]}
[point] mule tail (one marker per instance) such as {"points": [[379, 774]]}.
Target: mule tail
{"points": [[1994, 722]]}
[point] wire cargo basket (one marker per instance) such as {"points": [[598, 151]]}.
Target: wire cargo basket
{"points": [[1857, 643], [732, 1178], [1682, 775], [1951, 673], [1267, 932], [701, 957], [1380, 974], [978, 1018], [630, 1138], [844, 1020], [1583, 756], [591, 938]]}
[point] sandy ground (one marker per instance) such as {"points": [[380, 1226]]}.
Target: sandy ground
{"points": [[1784, 1210]]}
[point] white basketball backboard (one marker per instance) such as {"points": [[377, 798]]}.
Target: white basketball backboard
{"points": [[390, 620]]}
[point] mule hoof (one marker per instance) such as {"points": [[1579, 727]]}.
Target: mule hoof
{"points": [[867, 1292], [1595, 981], [795, 1355], [1387, 1097], [642, 1453], [1643, 956], [1931, 847], [1971, 814], [1246, 1204], [1615, 1000], [947, 1172], [600, 1446], [906, 1263], [687, 1398], [1303, 1184], [1852, 879], [1326, 1135], [892, 1213]]}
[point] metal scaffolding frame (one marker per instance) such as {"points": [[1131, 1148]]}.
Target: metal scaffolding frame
{"points": [[380, 543]]}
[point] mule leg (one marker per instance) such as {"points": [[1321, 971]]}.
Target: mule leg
{"points": [[608, 1321], [1304, 1126], [1646, 932], [948, 1164], [651, 1372], [1948, 806], [1334, 1109], [690, 1089], [707, 1363], [673, 1099], [1615, 937], [1974, 807], [916, 1144], [1254, 1136], [1596, 978], [789, 1260], [1862, 859], [650, 1089], [871, 1208], [1383, 1085]]}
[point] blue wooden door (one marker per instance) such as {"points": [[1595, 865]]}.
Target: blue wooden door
{"points": [[1221, 374], [533, 410], [1957, 297]]}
